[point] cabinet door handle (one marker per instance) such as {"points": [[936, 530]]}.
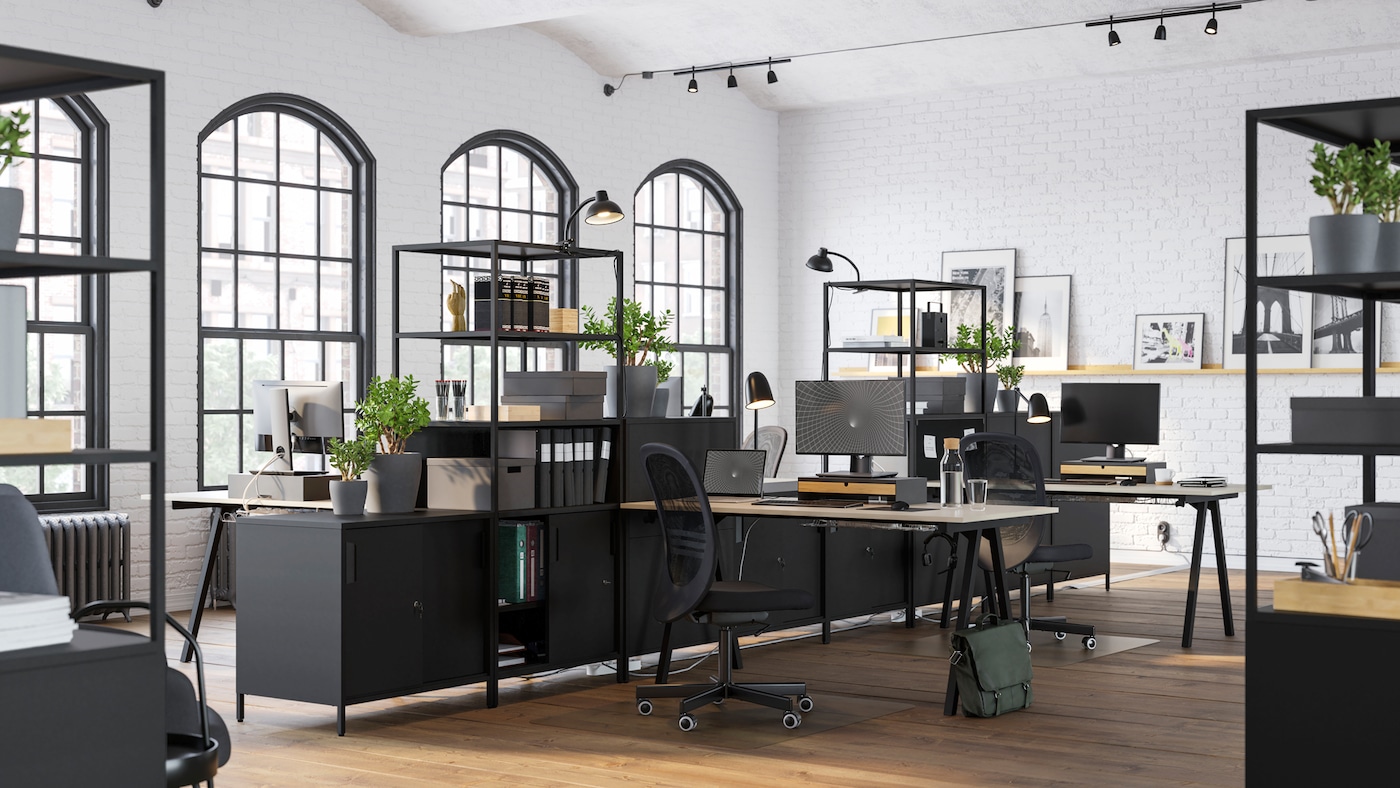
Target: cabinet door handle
{"points": [[870, 551], [782, 563], [607, 582], [349, 563], [418, 608]]}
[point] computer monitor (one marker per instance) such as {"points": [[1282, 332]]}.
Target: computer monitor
{"points": [[296, 416], [862, 418], [1112, 414]]}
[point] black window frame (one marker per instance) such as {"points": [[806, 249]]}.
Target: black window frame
{"points": [[362, 192]]}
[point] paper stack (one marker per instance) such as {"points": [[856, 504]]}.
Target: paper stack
{"points": [[30, 620], [1201, 481]]}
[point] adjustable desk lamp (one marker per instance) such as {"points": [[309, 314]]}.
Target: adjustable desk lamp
{"points": [[604, 211], [821, 262], [760, 396]]}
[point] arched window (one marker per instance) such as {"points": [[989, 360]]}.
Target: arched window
{"points": [[63, 172], [285, 238], [508, 186], [686, 259]]}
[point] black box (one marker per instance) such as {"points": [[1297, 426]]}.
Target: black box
{"points": [[940, 394], [554, 384], [1380, 559], [933, 329], [1347, 420]]}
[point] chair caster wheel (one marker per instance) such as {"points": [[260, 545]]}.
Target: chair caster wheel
{"points": [[1089, 642], [791, 720], [1059, 636], [687, 722], [805, 704], [644, 707]]}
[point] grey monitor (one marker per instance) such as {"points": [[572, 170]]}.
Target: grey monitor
{"points": [[734, 472], [296, 416], [862, 418]]}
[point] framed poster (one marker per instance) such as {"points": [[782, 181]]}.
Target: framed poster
{"points": [[886, 323], [994, 269], [1041, 317], [1336, 334], [1283, 330], [1164, 342]]}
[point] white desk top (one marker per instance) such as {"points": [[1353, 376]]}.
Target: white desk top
{"points": [[220, 498], [914, 517]]}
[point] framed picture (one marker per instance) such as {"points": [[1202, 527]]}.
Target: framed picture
{"points": [[887, 323], [1041, 317], [1284, 329], [1168, 341], [994, 269], [1336, 333]]}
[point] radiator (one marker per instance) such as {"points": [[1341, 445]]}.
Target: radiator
{"points": [[91, 555]]}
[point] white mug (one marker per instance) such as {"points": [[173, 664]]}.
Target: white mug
{"points": [[1162, 475]]}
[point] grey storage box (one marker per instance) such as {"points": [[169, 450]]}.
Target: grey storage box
{"points": [[1346, 420], [465, 483], [554, 384], [560, 407], [939, 394], [1380, 560]]}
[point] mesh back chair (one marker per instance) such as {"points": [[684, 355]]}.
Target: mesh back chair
{"points": [[1012, 469], [773, 440], [686, 586]]}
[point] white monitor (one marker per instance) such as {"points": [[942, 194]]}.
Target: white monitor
{"points": [[296, 416]]}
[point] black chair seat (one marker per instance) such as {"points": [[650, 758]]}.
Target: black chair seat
{"points": [[1060, 553], [741, 596], [188, 761]]}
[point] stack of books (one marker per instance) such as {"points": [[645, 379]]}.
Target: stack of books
{"points": [[31, 620], [522, 303], [1201, 481]]}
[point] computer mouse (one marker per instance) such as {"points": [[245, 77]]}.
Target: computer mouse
{"points": [[899, 506], [1126, 482]]}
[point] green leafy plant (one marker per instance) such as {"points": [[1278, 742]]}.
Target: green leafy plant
{"points": [[643, 335], [1000, 346], [1347, 178], [351, 458], [390, 412], [1010, 375], [12, 130], [1383, 196]]}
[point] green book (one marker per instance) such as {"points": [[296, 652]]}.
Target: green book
{"points": [[510, 563]]}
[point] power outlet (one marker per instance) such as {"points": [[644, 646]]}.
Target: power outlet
{"points": [[1164, 533]]}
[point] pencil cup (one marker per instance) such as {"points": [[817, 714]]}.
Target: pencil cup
{"points": [[459, 407], [977, 494], [444, 408]]}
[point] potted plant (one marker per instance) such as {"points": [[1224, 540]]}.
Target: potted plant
{"points": [[390, 412], [12, 130], [981, 382], [1009, 397], [1345, 241], [644, 339], [1384, 202], [350, 458]]}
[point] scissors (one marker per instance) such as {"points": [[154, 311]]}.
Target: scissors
{"points": [[1357, 530], [1319, 526]]}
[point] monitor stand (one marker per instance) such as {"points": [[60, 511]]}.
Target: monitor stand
{"points": [[1117, 455], [861, 468]]}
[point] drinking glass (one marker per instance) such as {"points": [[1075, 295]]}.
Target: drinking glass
{"points": [[977, 494]]}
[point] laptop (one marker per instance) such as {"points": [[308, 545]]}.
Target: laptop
{"points": [[734, 472]]}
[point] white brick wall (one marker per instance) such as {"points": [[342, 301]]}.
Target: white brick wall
{"points": [[1131, 184], [413, 101]]}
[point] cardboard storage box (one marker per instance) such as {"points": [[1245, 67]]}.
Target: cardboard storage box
{"points": [[1346, 420], [554, 384], [465, 483]]}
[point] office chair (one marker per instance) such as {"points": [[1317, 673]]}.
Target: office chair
{"points": [[686, 586], [197, 740], [1012, 469], [772, 439]]}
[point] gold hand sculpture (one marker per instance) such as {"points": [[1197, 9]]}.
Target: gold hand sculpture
{"points": [[457, 305]]}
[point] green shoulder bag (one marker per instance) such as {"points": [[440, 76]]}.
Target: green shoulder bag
{"points": [[991, 662]]}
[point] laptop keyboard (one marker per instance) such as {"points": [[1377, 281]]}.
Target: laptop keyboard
{"points": [[830, 503]]}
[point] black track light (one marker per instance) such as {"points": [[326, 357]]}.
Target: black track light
{"points": [[772, 77], [1210, 26], [1161, 34], [733, 82], [1113, 39], [693, 87]]}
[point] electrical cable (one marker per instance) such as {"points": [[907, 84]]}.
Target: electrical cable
{"points": [[253, 482]]}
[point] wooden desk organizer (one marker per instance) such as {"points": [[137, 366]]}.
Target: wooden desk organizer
{"points": [[1361, 597]]}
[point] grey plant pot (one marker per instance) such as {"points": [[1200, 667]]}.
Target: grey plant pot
{"points": [[348, 498], [11, 213], [674, 404], [659, 402], [1007, 400], [972, 397], [1388, 247], [1344, 244], [640, 383], [393, 483]]}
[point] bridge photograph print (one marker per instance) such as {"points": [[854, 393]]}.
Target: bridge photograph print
{"points": [[1284, 325]]}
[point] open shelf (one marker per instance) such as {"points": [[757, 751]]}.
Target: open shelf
{"points": [[35, 264], [1329, 448], [81, 457], [30, 74], [526, 425], [449, 337], [513, 251], [1382, 286]]}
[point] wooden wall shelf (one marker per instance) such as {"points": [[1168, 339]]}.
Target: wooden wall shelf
{"points": [[1125, 369]]}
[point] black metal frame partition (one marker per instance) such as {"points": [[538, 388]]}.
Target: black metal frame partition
{"points": [[31, 74]]}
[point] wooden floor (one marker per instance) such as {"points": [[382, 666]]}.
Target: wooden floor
{"points": [[1156, 715]]}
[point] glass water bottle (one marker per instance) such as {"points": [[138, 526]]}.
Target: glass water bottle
{"points": [[950, 483]]}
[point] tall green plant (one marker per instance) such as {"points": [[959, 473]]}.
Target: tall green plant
{"points": [[12, 130], [644, 335], [390, 412], [1000, 346], [352, 457], [1347, 178]]}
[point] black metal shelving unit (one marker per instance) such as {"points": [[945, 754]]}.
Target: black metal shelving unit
{"points": [[105, 688], [906, 292], [1284, 649], [496, 339]]}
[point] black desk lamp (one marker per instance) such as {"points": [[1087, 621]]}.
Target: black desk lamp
{"points": [[1037, 409], [760, 396], [603, 211], [821, 262]]}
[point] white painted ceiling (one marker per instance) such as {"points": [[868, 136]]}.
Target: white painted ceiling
{"points": [[1047, 39]]}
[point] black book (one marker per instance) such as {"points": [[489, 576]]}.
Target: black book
{"points": [[600, 480]]}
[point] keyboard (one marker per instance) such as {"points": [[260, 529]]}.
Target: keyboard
{"points": [[1098, 482], [830, 503]]}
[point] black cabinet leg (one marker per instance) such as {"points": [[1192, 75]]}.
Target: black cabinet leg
{"points": [[1226, 611], [238, 708], [340, 720]]}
